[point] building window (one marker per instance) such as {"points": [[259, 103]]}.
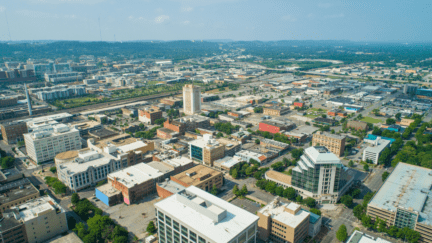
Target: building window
{"points": [[184, 231]]}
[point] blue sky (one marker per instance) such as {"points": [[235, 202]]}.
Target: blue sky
{"points": [[357, 20]]}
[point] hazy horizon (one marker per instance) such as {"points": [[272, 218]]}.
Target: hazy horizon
{"points": [[237, 20]]}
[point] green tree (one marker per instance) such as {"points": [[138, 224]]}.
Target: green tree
{"points": [[236, 190], [234, 174], [299, 199], [257, 141], [347, 200], [310, 202], [7, 162], [244, 190], [53, 169], [351, 163], [271, 187], [382, 225], [385, 175], [359, 211], [315, 211], [151, 229], [342, 233], [366, 167], [289, 193], [214, 190], [75, 198], [390, 121], [367, 221], [279, 191]]}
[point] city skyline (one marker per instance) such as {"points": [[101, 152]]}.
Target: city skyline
{"points": [[215, 20]]}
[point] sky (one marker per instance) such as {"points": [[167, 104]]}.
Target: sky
{"points": [[128, 20]]}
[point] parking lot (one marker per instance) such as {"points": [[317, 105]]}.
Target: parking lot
{"points": [[134, 217]]}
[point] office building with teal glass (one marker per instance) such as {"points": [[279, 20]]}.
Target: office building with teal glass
{"points": [[320, 174]]}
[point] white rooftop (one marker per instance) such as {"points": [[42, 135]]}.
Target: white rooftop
{"points": [[378, 146], [132, 146], [360, 237], [320, 155], [178, 161], [185, 206], [135, 175], [277, 210], [85, 160], [33, 208]]}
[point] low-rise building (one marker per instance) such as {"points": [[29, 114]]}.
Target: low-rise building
{"points": [[200, 176], [43, 219], [324, 121], [13, 132], [134, 182], [206, 150], [274, 144], [276, 110], [173, 102], [226, 163], [273, 126], [12, 229], [84, 168], [16, 192], [124, 147], [358, 125], [167, 188], [85, 127], [373, 152], [404, 200], [219, 221], [360, 237], [247, 155], [337, 112], [149, 115], [406, 122], [282, 222], [333, 142]]}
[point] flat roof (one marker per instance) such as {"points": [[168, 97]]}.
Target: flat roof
{"points": [[320, 154], [69, 238], [408, 187], [132, 146], [160, 167], [108, 190], [186, 208], [277, 211], [73, 166], [279, 176], [195, 174], [11, 191], [380, 146], [31, 209], [118, 140], [135, 175], [360, 237], [178, 161], [171, 186], [103, 133]]}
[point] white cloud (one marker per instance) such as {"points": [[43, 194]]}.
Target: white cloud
{"points": [[186, 9], [161, 18], [335, 16], [186, 22], [2, 9], [289, 18]]}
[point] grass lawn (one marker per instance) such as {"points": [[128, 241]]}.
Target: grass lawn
{"points": [[317, 110], [371, 120], [311, 116]]}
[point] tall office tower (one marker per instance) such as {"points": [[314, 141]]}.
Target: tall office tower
{"points": [[320, 174], [28, 101], [191, 99]]}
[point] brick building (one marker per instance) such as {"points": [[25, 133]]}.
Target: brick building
{"points": [[299, 104], [13, 132], [337, 112], [171, 102], [135, 182], [276, 110], [200, 176], [8, 101], [149, 115], [334, 143], [274, 127], [357, 125]]}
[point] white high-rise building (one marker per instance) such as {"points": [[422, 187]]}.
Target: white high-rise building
{"points": [[191, 99], [193, 215], [44, 145]]}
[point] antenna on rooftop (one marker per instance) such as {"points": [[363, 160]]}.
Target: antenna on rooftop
{"points": [[100, 30]]}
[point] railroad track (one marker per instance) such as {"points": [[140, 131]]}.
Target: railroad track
{"points": [[99, 106]]}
